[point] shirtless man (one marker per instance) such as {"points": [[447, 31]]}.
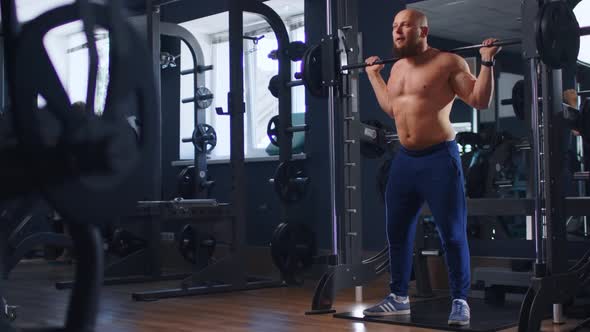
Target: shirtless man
{"points": [[418, 96]]}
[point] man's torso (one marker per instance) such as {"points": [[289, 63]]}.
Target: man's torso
{"points": [[421, 98]]}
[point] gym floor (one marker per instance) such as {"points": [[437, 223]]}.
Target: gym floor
{"points": [[31, 286]]}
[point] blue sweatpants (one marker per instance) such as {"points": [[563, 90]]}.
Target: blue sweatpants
{"points": [[433, 175]]}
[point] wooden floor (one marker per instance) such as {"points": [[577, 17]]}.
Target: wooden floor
{"points": [[279, 309]]}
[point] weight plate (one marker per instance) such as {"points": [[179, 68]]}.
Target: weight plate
{"points": [[81, 195]]}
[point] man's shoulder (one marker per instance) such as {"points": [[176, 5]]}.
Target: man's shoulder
{"points": [[451, 61], [450, 57], [398, 65]]}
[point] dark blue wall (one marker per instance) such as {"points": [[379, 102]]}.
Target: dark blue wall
{"points": [[376, 40]]}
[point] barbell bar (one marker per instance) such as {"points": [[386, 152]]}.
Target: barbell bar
{"points": [[506, 42]]}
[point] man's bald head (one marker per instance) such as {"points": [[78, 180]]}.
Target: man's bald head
{"points": [[410, 29], [412, 15]]}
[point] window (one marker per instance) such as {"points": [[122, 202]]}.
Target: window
{"points": [[77, 60], [259, 69], [212, 35], [68, 51], [582, 12]]}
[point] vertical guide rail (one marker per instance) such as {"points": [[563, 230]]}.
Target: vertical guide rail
{"points": [[345, 268], [538, 181], [348, 116], [332, 149]]}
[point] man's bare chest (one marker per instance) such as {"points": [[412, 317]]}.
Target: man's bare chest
{"points": [[425, 80]]}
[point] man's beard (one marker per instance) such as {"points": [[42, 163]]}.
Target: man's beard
{"points": [[406, 51]]}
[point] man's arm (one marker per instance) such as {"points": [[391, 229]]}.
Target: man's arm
{"points": [[379, 85], [570, 97], [475, 92]]}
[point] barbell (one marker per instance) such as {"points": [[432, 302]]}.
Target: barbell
{"points": [[499, 43], [557, 39]]}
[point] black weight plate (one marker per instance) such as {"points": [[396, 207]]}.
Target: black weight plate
{"points": [[94, 198], [518, 99], [296, 50], [272, 130], [290, 182], [187, 244], [196, 247], [558, 34], [311, 70], [274, 86], [293, 246], [465, 138], [204, 138], [374, 148]]}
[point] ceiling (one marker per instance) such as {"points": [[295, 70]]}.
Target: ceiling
{"points": [[472, 21]]}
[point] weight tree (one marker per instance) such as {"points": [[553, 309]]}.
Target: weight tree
{"points": [[229, 273]]}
